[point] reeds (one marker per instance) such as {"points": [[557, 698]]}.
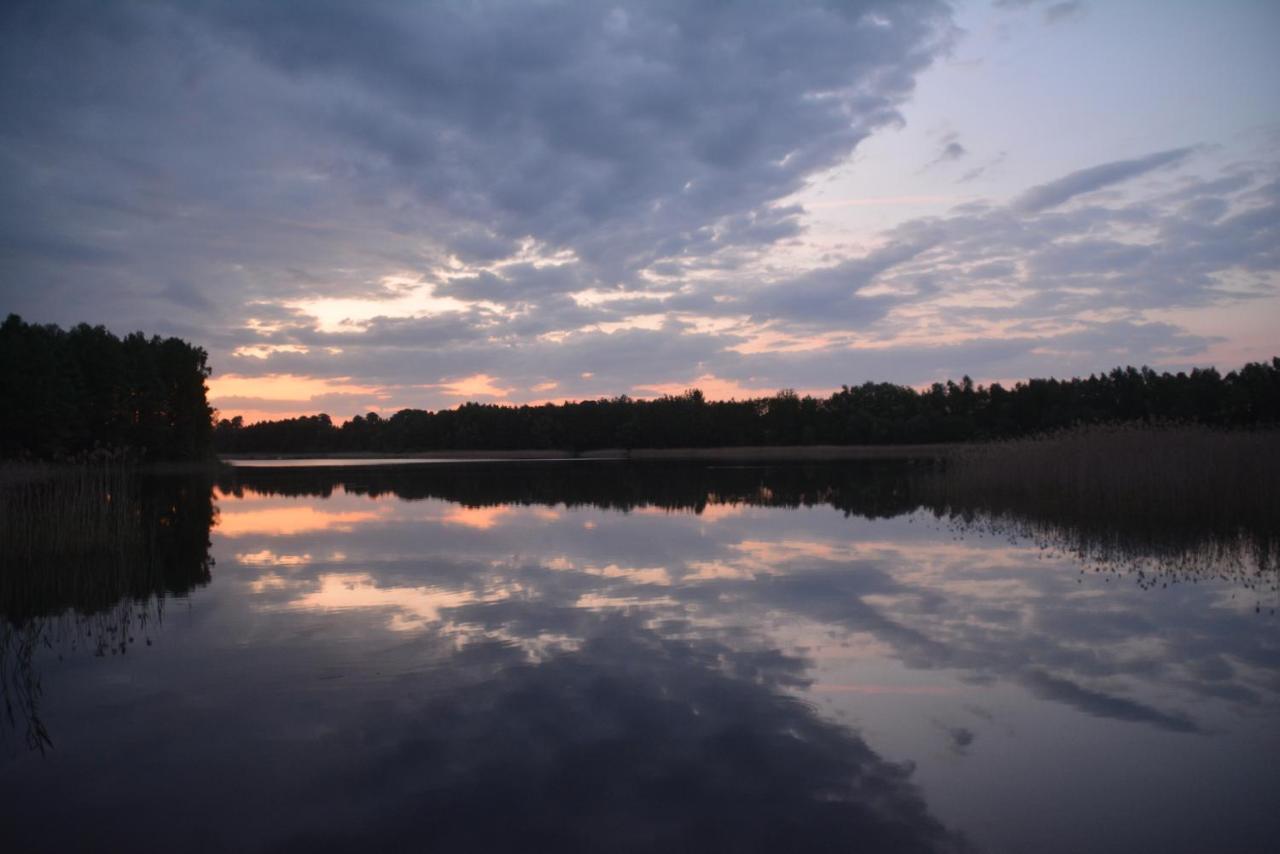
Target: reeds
{"points": [[70, 536], [1166, 473], [88, 554], [1186, 499], [61, 511]]}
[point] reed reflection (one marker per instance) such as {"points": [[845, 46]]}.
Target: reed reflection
{"points": [[89, 556]]}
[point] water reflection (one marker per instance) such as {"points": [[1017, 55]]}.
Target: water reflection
{"points": [[89, 557], [629, 742], [644, 657], [1248, 549]]}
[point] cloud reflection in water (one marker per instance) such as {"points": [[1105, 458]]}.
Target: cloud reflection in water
{"points": [[736, 666]]}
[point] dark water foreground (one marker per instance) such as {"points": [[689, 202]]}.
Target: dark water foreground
{"points": [[626, 657]]}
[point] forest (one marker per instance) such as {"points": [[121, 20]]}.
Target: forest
{"points": [[871, 414], [83, 393]]}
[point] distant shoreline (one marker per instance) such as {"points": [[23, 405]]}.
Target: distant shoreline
{"points": [[761, 453]]}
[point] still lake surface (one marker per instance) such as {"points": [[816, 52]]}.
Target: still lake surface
{"points": [[600, 656]]}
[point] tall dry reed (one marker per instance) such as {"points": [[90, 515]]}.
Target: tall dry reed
{"points": [[88, 554], [68, 534], [1185, 497]]}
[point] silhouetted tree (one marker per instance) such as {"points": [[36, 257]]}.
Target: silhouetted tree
{"points": [[83, 391], [872, 413]]}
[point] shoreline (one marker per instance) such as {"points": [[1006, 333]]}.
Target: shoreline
{"points": [[758, 453]]}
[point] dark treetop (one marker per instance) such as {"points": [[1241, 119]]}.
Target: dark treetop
{"points": [[83, 391], [872, 413]]}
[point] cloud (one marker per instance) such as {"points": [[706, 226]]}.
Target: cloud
{"points": [[960, 737], [953, 610], [1096, 178], [988, 290], [984, 265], [1104, 705], [585, 742], [408, 195], [612, 130], [1064, 10], [1053, 12], [978, 171], [950, 151], [831, 293], [202, 165]]}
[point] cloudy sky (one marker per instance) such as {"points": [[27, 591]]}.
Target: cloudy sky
{"points": [[367, 206]]}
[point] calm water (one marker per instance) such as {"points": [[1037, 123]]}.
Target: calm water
{"points": [[612, 657]]}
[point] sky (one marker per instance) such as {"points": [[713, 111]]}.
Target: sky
{"points": [[362, 207]]}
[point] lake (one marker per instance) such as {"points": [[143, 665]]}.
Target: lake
{"points": [[542, 656]]}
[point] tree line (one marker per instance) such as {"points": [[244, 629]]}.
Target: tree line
{"points": [[872, 413], [83, 393]]}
